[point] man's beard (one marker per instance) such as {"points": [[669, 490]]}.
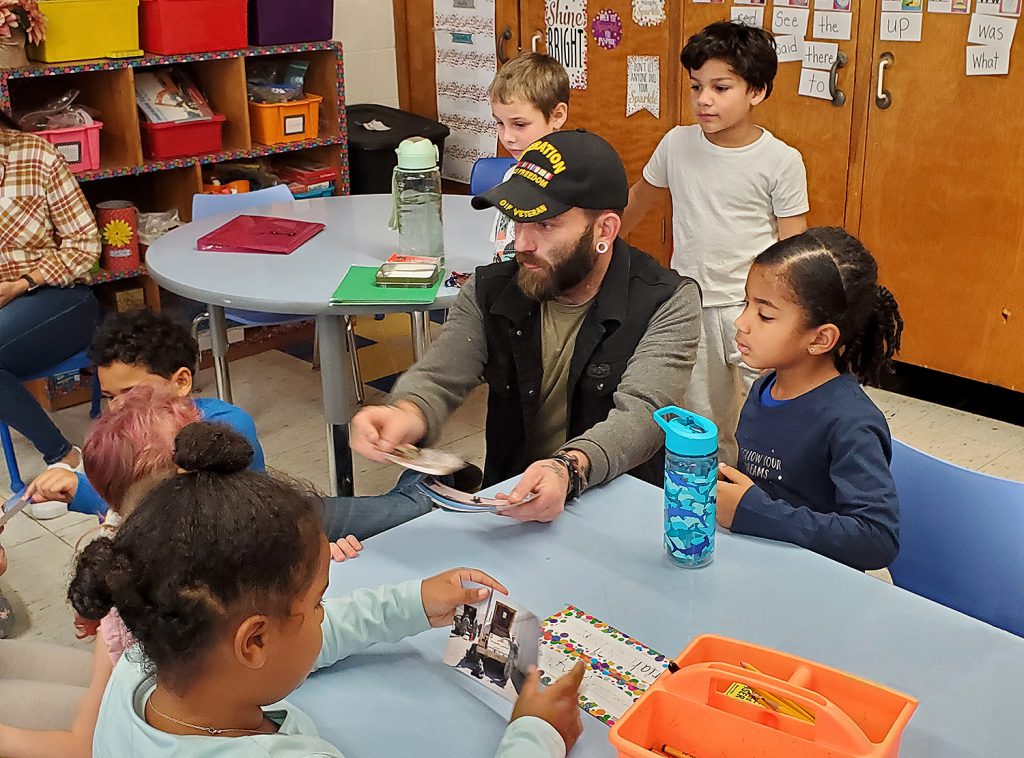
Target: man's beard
{"points": [[572, 265]]}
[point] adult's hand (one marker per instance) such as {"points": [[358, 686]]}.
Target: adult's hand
{"points": [[548, 480], [380, 429], [11, 290], [3, 557]]}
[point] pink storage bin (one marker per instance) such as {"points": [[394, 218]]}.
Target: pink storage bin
{"points": [[78, 145]]}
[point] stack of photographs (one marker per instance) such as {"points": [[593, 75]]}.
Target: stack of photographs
{"points": [[451, 499]]}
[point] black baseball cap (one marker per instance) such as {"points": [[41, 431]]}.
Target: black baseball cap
{"points": [[571, 169]]}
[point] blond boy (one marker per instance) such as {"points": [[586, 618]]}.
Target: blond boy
{"points": [[529, 99]]}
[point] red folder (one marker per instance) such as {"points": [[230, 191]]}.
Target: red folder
{"points": [[259, 234]]}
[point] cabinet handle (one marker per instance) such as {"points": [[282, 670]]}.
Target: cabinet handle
{"points": [[505, 37], [883, 99], [535, 41], [838, 96]]}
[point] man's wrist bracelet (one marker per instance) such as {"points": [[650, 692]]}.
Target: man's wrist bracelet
{"points": [[577, 480]]}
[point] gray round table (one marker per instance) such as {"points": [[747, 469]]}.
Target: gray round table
{"points": [[302, 283]]}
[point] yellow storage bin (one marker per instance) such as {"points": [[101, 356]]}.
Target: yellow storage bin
{"points": [[82, 29], [274, 123]]}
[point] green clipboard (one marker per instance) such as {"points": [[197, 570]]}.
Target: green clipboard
{"points": [[359, 288]]}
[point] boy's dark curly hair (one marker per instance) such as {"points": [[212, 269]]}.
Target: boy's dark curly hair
{"points": [[204, 549], [834, 278], [749, 51], [142, 337]]}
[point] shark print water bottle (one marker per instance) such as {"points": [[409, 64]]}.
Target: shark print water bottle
{"points": [[691, 485]]}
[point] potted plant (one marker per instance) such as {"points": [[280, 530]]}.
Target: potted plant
{"points": [[21, 21]]}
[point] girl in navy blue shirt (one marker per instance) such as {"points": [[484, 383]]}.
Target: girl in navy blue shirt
{"points": [[814, 456]]}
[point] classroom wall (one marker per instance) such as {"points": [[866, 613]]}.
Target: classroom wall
{"points": [[366, 29]]}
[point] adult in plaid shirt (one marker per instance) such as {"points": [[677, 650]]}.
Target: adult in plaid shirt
{"points": [[48, 244]]}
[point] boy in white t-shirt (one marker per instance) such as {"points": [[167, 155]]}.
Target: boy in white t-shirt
{"points": [[529, 100], [736, 190]]}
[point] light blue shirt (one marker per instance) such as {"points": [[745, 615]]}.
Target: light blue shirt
{"points": [[351, 624]]}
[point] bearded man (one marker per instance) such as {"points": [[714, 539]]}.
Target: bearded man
{"points": [[579, 339]]}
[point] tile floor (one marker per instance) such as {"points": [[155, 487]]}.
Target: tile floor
{"points": [[283, 395]]}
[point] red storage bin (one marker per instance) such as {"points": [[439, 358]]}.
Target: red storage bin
{"points": [[181, 139], [78, 145], [173, 27]]}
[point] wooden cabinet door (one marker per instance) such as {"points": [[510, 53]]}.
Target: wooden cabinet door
{"points": [[817, 128], [601, 107], [942, 205]]}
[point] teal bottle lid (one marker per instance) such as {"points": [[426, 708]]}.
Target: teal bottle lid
{"points": [[686, 433], [417, 154]]}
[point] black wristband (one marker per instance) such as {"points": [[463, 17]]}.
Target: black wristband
{"points": [[577, 482]]}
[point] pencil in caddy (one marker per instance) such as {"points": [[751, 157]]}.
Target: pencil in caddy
{"points": [[722, 697]]}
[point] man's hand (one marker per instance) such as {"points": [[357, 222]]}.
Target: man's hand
{"points": [[11, 290], [345, 548], [380, 429], [549, 481], [443, 593], [732, 485], [53, 484], [558, 704]]}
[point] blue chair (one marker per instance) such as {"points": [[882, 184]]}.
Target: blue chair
{"points": [[76, 362], [204, 206], [961, 538], [488, 173]]}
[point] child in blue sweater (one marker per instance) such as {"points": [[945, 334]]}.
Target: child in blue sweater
{"points": [[129, 349], [223, 637], [814, 450]]}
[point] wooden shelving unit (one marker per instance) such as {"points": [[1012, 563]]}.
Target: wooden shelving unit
{"points": [[109, 87]]}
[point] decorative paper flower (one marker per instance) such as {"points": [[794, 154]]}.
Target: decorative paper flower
{"points": [[117, 233], [24, 14]]}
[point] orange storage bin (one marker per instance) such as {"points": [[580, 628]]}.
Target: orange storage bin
{"points": [[687, 708], [237, 187], [274, 123]]}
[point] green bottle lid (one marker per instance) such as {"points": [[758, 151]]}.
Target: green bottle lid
{"points": [[417, 153]]}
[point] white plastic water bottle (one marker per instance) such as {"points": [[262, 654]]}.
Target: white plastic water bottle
{"points": [[416, 199]]}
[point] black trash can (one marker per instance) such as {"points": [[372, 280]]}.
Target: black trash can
{"points": [[371, 154]]}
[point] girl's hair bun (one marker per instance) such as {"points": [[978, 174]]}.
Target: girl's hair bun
{"points": [[213, 448]]}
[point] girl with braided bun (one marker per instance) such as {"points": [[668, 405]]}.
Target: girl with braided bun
{"points": [[50, 695], [814, 449], [219, 574]]}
